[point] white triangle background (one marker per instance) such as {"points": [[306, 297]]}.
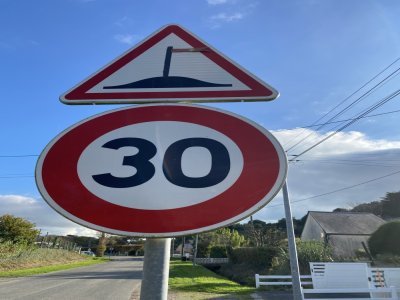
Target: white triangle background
{"points": [[186, 64]]}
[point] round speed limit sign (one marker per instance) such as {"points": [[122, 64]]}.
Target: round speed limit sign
{"points": [[161, 170]]}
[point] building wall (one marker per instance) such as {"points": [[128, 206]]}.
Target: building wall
{"points": [[312, 231], [346, 246]]}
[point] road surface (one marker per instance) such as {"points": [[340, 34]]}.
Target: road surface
{"points": [[119, 279]]}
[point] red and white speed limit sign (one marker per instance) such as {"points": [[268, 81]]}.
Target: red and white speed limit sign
{"points": [[161, 170]]}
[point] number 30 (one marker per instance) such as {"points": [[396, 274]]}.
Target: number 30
{"points": [[172, 163]]}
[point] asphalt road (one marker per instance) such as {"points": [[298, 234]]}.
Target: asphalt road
{"points": [[119, 279]]}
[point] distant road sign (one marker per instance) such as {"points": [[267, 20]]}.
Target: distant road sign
{"points": [[161, 170], [172, 65]]}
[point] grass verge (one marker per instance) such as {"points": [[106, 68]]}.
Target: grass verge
{"points": [[185, 277], [52, 268]]}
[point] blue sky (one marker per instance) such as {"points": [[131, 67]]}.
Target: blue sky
{"points": [[315, 53]]}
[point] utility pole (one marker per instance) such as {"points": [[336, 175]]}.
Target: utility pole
{"points": [[294, 264]]}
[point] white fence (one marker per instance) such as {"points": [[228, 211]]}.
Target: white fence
{"points": [[210, 260], [342, 281], [351, 294]]}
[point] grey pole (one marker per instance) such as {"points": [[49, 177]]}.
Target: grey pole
{"points": [[195, 250], [294, 264], [155, 269]]}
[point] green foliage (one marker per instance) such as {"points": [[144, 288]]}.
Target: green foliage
{"points": [[218, 239], [391, 205], [387, 207], [385, 240], [218, 252], [388, 260], [204, 247], [83, 241], [297, 224], [307, 251], [9, 249], [102, 246], [259, 233], [256, 256], [17, 230]]}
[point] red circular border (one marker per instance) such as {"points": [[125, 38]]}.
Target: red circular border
{"points": [[60, 179]]}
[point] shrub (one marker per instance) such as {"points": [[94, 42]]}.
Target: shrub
{"points": [[385, 240], [307, 251], [17, 230], [256, 256], [8, 249], [218, 252]]}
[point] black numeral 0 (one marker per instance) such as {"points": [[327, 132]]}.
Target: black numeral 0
{"points": [[220, 163], [172, 163]]}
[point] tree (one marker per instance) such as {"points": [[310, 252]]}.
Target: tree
{"points": [[222, 238], [17, 230], [101, 247], [385, 240], [391, 205], [387, 207]]}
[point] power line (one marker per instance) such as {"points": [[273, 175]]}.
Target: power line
{"points": [[342, 189], [359, 99], [353, 163], [367, 111], [345, 120], [359, 89]]}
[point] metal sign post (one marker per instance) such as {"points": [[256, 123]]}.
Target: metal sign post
{"points": [[294, 264], [155, 269]]}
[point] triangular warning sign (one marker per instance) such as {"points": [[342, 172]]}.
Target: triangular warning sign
{"points": [[172, 65]]}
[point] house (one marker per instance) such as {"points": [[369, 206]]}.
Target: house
{"points": [[345, 232], [188, 248]]}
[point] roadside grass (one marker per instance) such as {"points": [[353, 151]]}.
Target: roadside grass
{"points": [[185, 277], [51, 268], [22, 256], [22, 260]]}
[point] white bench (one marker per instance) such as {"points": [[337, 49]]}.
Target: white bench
{"points": [[271, 280]]}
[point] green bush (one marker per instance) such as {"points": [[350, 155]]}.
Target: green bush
{"points": [[17, 230], [218, 252], [385, 240], [307, 251], [256, 256]]}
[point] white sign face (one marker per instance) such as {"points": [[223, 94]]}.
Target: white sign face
{"points": [[149, 67], [196, 162], [161, 170], [172, 65]]}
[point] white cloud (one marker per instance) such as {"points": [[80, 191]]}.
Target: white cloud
{"points": [[129, 39], [123, 22], [40, 213], [236, 11], [225, 17], [218, 2], [340, 143], [347, 159]]}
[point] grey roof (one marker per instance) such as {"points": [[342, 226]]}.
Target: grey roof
{"points": [[347, 222]]}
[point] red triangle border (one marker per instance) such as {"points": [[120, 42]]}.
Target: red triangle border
{"points": [[258, 90]]}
